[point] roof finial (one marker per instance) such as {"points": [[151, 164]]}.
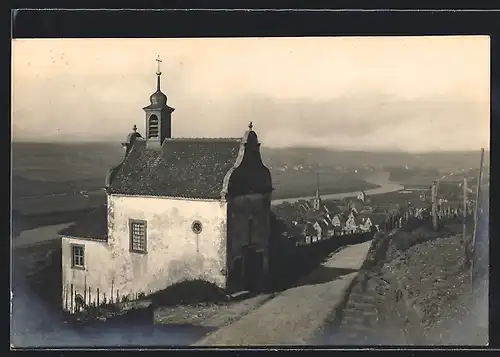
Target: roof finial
{"points": [[134, 128], [250, 126], [158, 72]]}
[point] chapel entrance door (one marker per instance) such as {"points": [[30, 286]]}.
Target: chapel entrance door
{"points": [[253, 271], [236, 275]]}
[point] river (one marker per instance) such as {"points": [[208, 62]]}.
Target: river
{"points": [[381, 179]]}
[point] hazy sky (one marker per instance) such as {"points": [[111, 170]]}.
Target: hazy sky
{"points": [[407, 93]]}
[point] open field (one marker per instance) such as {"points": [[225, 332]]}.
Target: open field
{"points": [[399, 197], [303, 184], [48, 177]]}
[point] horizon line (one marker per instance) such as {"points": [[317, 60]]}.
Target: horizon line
{"points": [[302, 146]]}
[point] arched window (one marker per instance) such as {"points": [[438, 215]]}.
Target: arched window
{"points": [[153, 127]]}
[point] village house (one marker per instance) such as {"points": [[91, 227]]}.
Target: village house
{"points": [[356, 206], [352, 223], [321, 230], [361, 196], [365, 224], [177, 209]]}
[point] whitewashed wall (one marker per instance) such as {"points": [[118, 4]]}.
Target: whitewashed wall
{"points": [[175, 252]]}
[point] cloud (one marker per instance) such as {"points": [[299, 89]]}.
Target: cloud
{"points": [[338, 92]]}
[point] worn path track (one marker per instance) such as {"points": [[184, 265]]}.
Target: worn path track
{"points": [[294, 316]]}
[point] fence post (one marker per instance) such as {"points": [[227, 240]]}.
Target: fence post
{"points": [[464, 212], [98, 304], [66, 297], [111, 297], [72, 299], [85, 292], [90, 300], [434, 205]]}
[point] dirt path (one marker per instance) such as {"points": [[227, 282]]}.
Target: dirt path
{"points": [[209, 315], [294, 316]]}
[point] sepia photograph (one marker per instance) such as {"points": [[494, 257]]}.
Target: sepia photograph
{"points": [[266, 191]]}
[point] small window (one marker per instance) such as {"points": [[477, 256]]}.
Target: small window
{"points": [[78, 256], [138, 236], [197, 227]]}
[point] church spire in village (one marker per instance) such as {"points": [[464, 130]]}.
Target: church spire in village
{"points": [[317, 197], [158, 114]]}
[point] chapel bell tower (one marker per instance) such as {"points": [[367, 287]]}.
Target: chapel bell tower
{"points": [[158, 116]]}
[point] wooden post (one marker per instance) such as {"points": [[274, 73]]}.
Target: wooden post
{"points": [[434, 205], [72, 298], [464, 212], [472, 246], [85, 292], [66, 297], [111, 297], [478, 193], [98, 305]]}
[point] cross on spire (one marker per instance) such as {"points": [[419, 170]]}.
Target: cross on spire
{"points": [[134, 128], [158, 72], [250, 126]]}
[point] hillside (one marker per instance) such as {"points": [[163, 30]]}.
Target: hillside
{"points": [[45, 168]]}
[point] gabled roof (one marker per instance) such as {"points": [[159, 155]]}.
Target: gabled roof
{"points": [[310, 228], [192, 168], [93, 225], [332, 207], [181, 168], [378, 218], [344, 216], [323, 225], [315, 215], [356, 203], [342, 225]]}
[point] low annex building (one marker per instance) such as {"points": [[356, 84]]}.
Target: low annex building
{"points": [[177, 209]]}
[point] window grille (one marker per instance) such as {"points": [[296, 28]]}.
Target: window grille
{"points": [[138, 236]]}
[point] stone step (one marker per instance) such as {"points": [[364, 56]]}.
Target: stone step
{"points": [[364, 320], [359, 314], [238, 296], [355, 325], [351, 319], [362, 306], [363, 298], [354, 337]]}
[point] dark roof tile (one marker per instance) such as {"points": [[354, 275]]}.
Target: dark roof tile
{"points": [[93, 225], [378, 218], [193, 168]]}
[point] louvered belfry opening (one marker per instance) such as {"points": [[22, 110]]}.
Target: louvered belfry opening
{"points": [[153, 127]]}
